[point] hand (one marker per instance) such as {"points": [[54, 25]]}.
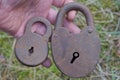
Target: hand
{"points": [[15, 14]]}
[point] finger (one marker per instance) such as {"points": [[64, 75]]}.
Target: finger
{"points": [[71, 14], [67, 24], [47, 63], [52, 15], [71, 26], [39, 28], [60, 3]]}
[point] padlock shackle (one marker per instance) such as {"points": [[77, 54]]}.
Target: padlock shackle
{"points": [[43, 20], [74, 6]]}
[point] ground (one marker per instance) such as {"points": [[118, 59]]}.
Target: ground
{"points": [[106, 15]]}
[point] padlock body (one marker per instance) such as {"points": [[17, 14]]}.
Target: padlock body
{"points": [[25, 43], [64, 44]]}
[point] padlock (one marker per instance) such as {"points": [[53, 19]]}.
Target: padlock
{"points": [[75, 55], [32, 49]]}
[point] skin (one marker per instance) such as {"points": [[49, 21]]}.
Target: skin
{"points": [[15, 14]]}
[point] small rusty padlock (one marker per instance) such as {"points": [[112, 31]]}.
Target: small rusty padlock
{"points": [[32, 49], [75, 55]]}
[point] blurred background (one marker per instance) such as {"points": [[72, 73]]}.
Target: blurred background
{"points": [[106, 14]]}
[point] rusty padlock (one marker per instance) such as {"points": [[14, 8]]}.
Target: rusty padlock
{"points": [[75, 55], [32, 49]]}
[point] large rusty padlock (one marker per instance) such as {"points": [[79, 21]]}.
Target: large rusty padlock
{"points": [[75, 55], [32, 49]]}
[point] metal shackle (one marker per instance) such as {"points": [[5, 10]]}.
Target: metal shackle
{"points": [[74, 6]]}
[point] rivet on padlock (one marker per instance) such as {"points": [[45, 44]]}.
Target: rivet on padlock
{"points": [[75, 55], [32, 49]]}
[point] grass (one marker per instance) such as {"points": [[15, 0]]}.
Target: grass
{"points": [[106, 15]]}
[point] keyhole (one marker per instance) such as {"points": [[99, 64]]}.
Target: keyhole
{"points": [[31, 50], [75, 56]]}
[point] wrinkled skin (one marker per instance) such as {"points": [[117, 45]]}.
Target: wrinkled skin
{"points": [[15, 14]]}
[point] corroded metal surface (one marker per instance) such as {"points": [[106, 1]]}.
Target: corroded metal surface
{"points": [[32, 49], [84, 47]]}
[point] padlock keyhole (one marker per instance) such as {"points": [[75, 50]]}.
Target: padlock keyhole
{"points": [[31, 50], [75, 56]]}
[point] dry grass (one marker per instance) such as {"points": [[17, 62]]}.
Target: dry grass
{"points": [[106, 15]]}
